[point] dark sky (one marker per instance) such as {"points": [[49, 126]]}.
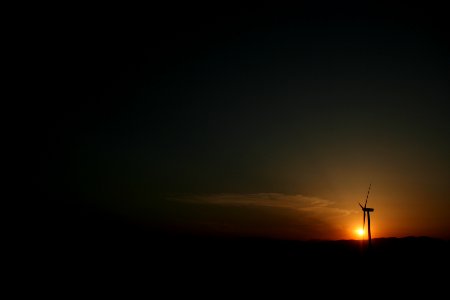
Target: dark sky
{"points": [[262, 120]]}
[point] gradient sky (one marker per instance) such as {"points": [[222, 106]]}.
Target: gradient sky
{"points": [[261, 121]]}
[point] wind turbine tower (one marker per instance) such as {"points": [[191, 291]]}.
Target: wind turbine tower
{"points": [[367, 210]]}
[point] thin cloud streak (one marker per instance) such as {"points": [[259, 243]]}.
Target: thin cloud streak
{"points": [[313, 206]]}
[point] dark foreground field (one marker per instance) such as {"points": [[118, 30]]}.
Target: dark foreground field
{"points": [[114, 253]]}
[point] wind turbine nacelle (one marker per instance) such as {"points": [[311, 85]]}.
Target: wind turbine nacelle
{"points": [[368, 209]]}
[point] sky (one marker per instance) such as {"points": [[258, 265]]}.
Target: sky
{"points": [[263, 121]]}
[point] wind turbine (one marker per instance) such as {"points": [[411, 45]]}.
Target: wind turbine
{"points": [[367, 210]]}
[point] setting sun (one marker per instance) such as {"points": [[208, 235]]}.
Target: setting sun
{"points": [[360, 231]]}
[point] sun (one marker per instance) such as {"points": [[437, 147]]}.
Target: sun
{"points": [[360, 232]]}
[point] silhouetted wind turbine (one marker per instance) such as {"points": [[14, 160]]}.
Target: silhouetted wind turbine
{"points": [[367, 210]]}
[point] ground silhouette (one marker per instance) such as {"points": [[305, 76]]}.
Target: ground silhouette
{"points": [[101, 248]]}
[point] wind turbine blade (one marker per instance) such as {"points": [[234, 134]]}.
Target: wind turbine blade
{"points": [[361, 205], [364, 220], [367, 197]]}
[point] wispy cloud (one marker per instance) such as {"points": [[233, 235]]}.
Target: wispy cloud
{"points": [[313, 206]]}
